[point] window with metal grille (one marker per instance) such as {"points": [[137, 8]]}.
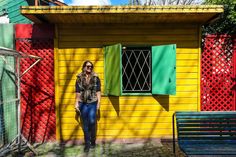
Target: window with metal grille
{"points": [[139, 70], [136, 69]]}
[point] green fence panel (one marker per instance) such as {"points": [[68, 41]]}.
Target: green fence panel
{"points": [[8, 86]]}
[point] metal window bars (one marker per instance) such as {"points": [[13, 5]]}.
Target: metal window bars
{"points": [[136, 70]]}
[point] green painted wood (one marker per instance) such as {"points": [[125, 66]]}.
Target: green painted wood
{"points": [[13, 9], [6, 32], [3, 5], [112, 84], [7, 84], [164, 69]]}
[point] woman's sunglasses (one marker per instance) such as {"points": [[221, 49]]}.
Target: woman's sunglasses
{"points": [[89, 66]]}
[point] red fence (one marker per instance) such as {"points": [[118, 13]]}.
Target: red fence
{"points": [[37, 85], [218, 76]]}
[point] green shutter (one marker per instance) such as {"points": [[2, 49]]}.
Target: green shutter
{"points": [[112, 70], [164, 69]]}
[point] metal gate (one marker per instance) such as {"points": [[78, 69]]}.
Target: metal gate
{"points": [[218, 74]]}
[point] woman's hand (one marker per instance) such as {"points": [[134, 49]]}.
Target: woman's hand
{"points": [[98, 106]]}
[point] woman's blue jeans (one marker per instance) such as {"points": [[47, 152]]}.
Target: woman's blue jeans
{"points": [[88, 115]]}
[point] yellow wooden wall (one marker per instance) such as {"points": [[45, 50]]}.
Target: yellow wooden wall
{"points": [[125, 116]]}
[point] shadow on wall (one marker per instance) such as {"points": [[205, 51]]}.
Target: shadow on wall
{"points": [[37, 85]]}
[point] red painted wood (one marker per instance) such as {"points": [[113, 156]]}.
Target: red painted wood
{"points": [[37, 85], [217, 74], [234, 54], [34, 31]]}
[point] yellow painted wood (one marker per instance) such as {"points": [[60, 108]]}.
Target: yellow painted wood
{"points": [[123, 15], [123, 9], [56, 84], [199, 68], [133, 107], [71, 88], [120, 116], [122, 132], [93, 44], [114, 138], [124, 120], [128, 38]]}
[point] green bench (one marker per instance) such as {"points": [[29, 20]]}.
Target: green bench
{"points": [[205, 133]]}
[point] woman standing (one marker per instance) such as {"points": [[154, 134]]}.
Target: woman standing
{"points": [[88, 96]]}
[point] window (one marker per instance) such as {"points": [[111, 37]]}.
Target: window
{"points": [[140, 70], [136, 69]]}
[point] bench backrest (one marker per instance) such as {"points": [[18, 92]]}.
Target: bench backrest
{"points": [[196, 129]]}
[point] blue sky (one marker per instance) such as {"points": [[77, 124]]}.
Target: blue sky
{"points": [[119, 2], [113, 2]]}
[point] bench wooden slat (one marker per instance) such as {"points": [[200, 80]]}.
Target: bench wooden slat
{"points": [[208, 121], [205, 113], [206, 133], [205, 116], [206, 138], [200, 129], [183, 125], [194, 142]]}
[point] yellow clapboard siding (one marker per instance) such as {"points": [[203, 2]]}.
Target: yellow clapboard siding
{"points": [[75, 51], [117, 138], [134, 107], [123, 31], [99, 57], [78, 64], [80, 57], [180, 88], [99, 51], [186, 56], [122, 113], [181, 75], [120, 116], [131, 26], [92, 44], [119, 37], [179, 82], [92, 57], [69, 70], [65, 76], [123, 132], [119, 126], [68, 99], [107, 127], [119, 31], [186, 50], [123, 120]]}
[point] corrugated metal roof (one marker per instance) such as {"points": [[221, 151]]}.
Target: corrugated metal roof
{"points": [[123, 14]]}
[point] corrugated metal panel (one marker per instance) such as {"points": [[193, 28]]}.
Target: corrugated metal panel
{"points": [[125, 116]]}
